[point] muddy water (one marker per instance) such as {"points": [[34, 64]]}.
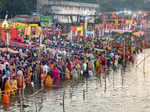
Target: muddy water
{"points": [[127, 91]]}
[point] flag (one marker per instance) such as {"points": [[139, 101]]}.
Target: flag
{"points": [[3, 35], [14, 33], [122, 21], [104, 20]]}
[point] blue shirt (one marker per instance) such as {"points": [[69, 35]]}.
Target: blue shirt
{"points": [[7, 73]]}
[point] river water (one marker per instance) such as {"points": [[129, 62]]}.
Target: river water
{"points": [[120, 92]]}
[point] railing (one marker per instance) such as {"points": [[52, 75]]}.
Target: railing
{"points": [[68, 3]]}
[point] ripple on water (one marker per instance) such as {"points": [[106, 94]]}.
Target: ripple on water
{"points": [[131, 95]]}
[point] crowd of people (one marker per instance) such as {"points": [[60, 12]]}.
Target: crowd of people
{"points": [[60, 59]]}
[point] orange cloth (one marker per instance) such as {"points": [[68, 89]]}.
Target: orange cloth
{"points": [[5, 99], [43, 78], [90, 65], [100, 70], [143, 43], [52, 66], [67, 74], [48, 81], [7, 87], [127, 53], [14, 85], [20, 81], [28, 79], [11, 75]]}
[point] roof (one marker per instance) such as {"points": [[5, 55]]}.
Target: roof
{"points": [[69, 3]]}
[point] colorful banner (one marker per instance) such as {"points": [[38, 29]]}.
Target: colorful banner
{"points": [[46, 20], [89, 33], [144, 22], [128, 22], [104, 20], [33, 25], [114, 15], [79, 28], [19, 25], [86, 25], [99, 26], [14, 33], [138, 34], [116, 22], [28, 30], [73, 29], [122, 21]]}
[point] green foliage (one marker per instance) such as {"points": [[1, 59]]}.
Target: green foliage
{"points": [[15, 7], [3, 3], [117, 5]]}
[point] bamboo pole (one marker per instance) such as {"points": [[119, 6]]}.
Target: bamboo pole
{"points": [[105, 84], [122, 78], [83, 94], [86, 84], [21, 106], [105, 73], [144, 65], [113, 79], [124, 63], [63, 101], [71, 93], [100, 79], [23, 88]]}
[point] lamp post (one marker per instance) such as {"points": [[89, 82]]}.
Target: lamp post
{"points": [[7, 38], [5, 26], [39, 57]]}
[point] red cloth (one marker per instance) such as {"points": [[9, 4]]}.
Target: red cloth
{"points": [[3, 35], [78, 61], [73, 29], [146, 44], [122, 21], [14, 33], [103, 19], [21, 39], [69, 66], [55, 75]]}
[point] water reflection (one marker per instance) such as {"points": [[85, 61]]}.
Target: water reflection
{"points": [[120, 91]]}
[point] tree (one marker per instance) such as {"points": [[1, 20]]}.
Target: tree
{"points": [[3, 3], [15, 7]]}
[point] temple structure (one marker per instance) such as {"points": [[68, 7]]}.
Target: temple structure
{"points": [[67, 11]]}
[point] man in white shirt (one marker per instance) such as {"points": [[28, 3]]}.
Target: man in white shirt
{"points": [[116, 56], [112, 54], [84, 66], [45, 68], [8, 56], [5, 64]]}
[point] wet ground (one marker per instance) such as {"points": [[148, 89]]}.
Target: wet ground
{"points": [[127, 91]]}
